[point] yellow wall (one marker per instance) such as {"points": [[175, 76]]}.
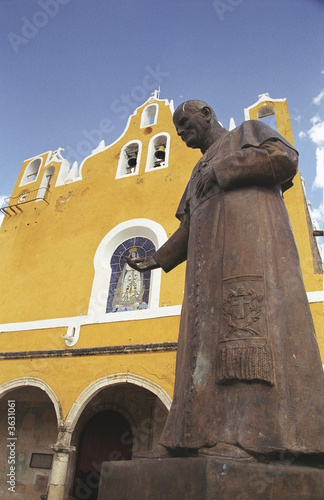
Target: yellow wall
{"points": [[51, 247], [68, 377], [47, 272], [47, 267], [47, 264], [296, 206]]}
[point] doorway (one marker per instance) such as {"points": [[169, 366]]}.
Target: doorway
{"points": [[105, 437]]}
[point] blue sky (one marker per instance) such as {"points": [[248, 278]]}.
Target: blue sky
{"points": [[73, 70]]}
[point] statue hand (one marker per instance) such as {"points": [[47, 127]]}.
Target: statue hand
{"points": [[141, 264], [206, 181]]}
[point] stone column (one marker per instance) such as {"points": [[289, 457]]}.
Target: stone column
{"points": [[62, 451]]}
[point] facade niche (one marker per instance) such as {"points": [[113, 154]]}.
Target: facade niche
{"points": [[129, 290], [149, 115], [31, 172], [129, 159], [267, 114], [158, 152], [46, 182]]}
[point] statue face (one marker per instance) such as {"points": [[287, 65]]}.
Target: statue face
{"points": [[192, 126]]}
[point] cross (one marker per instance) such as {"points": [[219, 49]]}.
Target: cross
{"points": [[240, 301]]}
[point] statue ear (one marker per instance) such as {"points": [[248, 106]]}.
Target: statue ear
{"points": [[206, 111]]}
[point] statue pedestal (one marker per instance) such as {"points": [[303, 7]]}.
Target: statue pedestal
{"points": [[208, 479]]}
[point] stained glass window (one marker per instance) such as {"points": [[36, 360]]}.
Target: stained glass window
{"points": [[129, 289]]}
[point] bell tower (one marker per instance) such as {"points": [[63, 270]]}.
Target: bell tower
{"points": [[295, 200]]}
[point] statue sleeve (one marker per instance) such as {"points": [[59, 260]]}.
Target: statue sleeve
{"points": [[174, 251], [272, 163]]}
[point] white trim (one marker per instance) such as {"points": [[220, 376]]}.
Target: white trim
{"points": [[262, 98], [121, 167], [145, 119], [44, 182], [117, 378], [150, 100], [145, 228], [78, 321], [150, 153], [34, 382], [24, 180], [317, 296]]}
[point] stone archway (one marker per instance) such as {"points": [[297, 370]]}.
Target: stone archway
{"points": [[141, 411], [6, 387], [34, 431]]}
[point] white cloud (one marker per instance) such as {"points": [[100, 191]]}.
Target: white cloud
{"points": [[2, 198], [318, 99], [316, 135], [319, 179], [316, 132], [302, 135], [317, 216], [321, 251]]}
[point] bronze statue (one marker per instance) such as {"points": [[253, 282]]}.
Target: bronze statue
{"points": [[249, 381]]}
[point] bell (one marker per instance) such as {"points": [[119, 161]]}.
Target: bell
{"points": [[132, 160], [265, 111], [160, 153]]}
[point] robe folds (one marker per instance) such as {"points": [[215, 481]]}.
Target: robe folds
{"points": [[248, 368]]}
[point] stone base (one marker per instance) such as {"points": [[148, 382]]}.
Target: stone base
{"points": [[208, 479]]}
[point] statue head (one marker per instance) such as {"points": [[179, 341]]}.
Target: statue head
{"points": [[196, 123]]}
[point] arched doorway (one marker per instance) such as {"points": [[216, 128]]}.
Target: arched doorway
{"points": [[32, 432], [106, 436]]}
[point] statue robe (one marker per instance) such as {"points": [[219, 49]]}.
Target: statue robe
{"points": [[248, 367]]}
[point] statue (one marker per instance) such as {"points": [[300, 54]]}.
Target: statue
{"points": [[249, 383], [130, 288]]}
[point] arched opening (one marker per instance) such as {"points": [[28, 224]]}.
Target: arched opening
{"points": [[129, 290], [46, 182], [149, 115], [131, 418], [31, 172], [133, 228], [103, 439], [129, 159], [158, 152], [33, 430], [267, 114]]}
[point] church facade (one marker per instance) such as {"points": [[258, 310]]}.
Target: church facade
{"points": [[88, 345]]}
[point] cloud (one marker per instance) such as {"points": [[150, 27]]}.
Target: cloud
{"points": [[316, 135], [318, 99], [316, 132], [317, 216], [319, 179], [2, 199]]}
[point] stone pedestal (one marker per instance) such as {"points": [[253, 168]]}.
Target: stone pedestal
{"points": [[208, 479]]}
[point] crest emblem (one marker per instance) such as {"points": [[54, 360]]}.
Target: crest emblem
{"points": [[242, 307]]}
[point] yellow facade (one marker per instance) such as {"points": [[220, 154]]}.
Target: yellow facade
{"points": [[60, 230], [310, 261]]}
